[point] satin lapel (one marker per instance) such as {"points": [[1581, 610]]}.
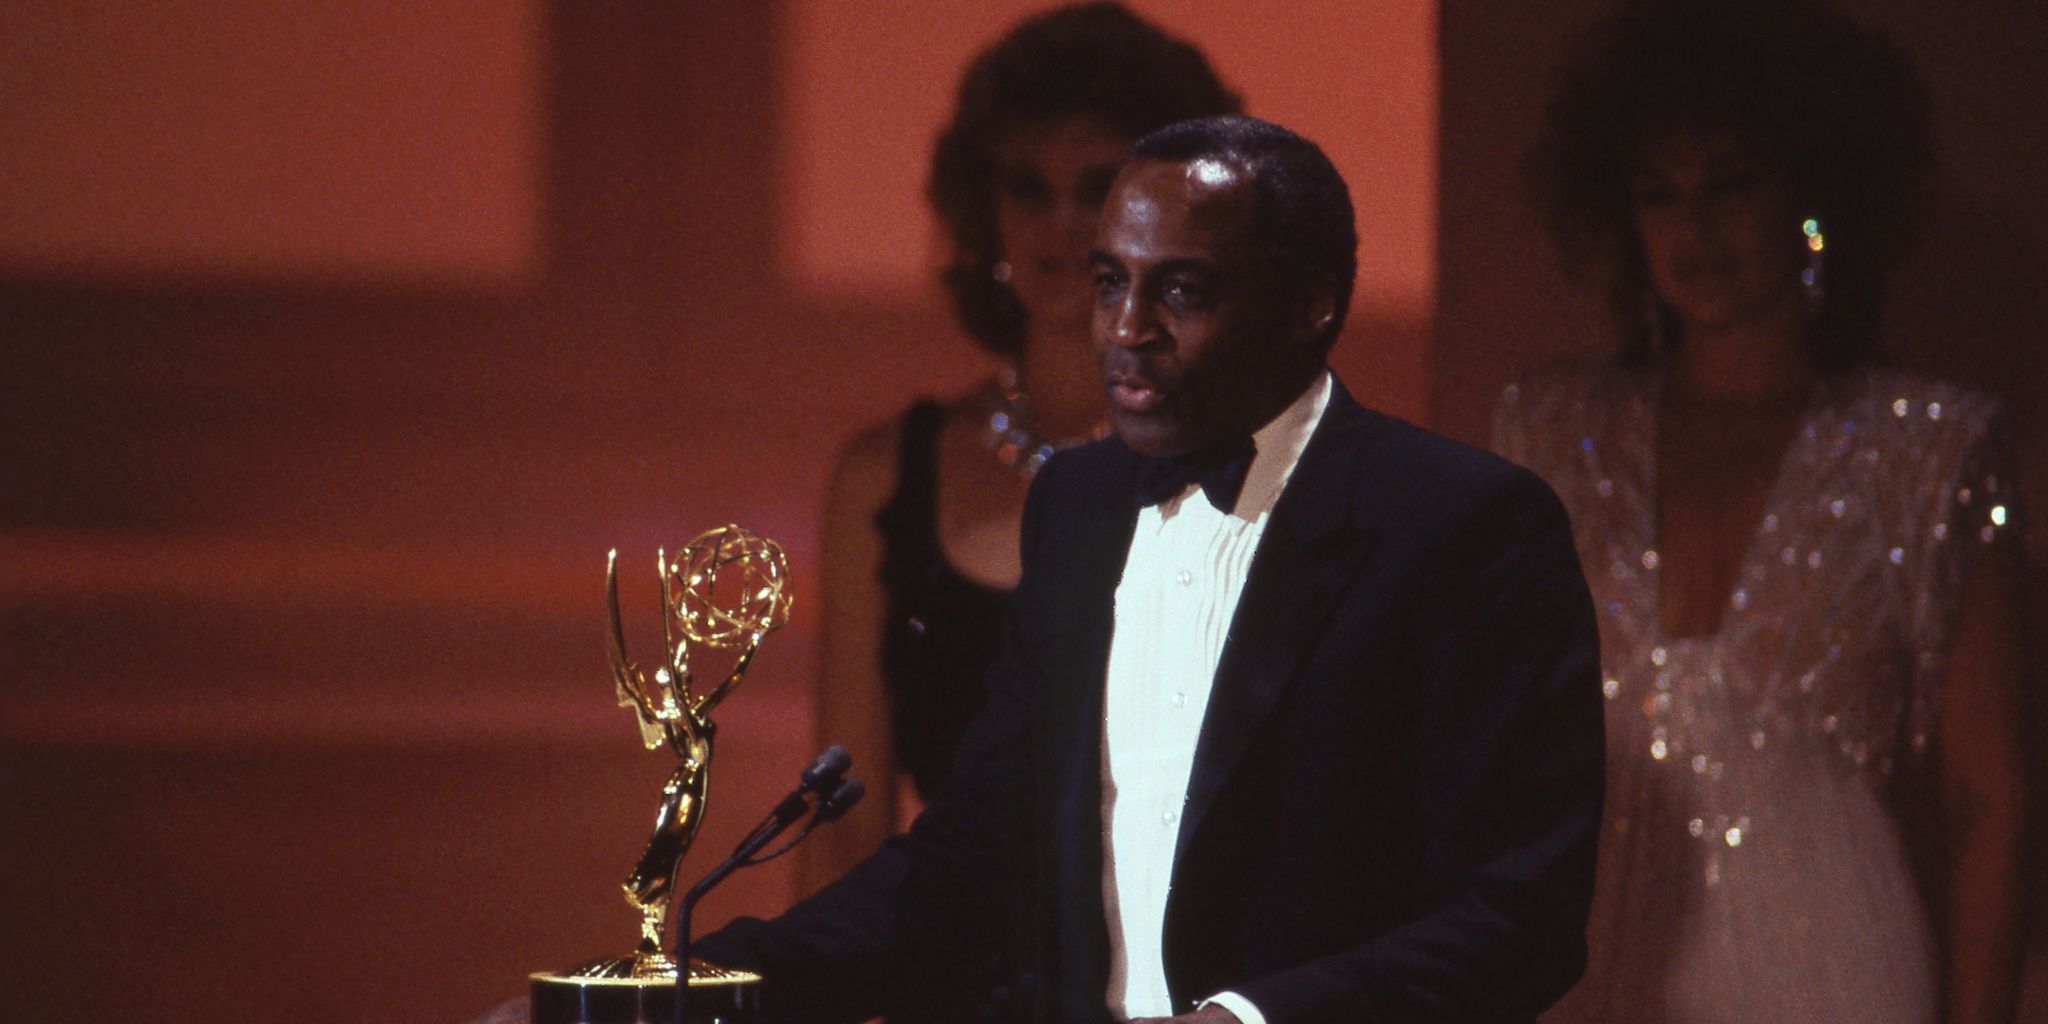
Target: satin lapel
{"points": [[1305, 559], [1081, 611]]}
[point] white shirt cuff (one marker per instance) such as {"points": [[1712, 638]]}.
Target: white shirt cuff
{"points": [[1236, 1004]]}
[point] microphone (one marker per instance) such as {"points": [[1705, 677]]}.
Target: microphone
{"points": [[824, 773], [825, 770], [834, 807], [836, 794]]}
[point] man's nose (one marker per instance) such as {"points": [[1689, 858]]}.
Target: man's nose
{"points": [[1128, 322]]}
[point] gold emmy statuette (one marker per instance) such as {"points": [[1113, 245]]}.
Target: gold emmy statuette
{"points": [[725, 591]]}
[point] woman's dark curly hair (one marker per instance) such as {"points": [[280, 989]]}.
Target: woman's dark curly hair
{"points": [[1833, 107], [1094, 59]]}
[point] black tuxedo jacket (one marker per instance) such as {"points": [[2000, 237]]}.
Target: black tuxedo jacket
{"points": [[1395, 795]]}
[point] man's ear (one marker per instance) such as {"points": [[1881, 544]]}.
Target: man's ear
{"points": [[1317, 310]]}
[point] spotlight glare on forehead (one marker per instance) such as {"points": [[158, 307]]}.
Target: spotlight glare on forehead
{"points": [[1210, 172]]}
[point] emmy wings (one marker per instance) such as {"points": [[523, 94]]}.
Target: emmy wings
{"points": [[726, 590]]}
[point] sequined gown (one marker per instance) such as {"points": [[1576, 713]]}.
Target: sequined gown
{"points": [[1753, 863]]}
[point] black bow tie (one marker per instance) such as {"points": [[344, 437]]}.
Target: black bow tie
{"points": [[1220, 469]]}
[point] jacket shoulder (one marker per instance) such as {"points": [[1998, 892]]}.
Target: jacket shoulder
{"points": [[1404, 468]]}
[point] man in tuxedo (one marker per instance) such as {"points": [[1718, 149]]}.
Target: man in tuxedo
{"points": [[1298, 718]]}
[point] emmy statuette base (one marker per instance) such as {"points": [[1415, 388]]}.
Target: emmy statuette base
{"points": [[716, 997]]}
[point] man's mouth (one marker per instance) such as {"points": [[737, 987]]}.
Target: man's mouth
{"points": [[1129, 392]]}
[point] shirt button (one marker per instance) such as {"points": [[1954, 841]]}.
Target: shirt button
{"points": [[1180, 700], [1185, 578], [1169, 817]]}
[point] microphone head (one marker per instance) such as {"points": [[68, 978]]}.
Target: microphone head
{"points": [[826, 769], [841, 800]]}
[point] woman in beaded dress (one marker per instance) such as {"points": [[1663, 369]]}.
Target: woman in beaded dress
{"points": [[1806, 564], [921, 519]]}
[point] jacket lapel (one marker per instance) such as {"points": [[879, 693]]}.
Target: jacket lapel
{"points": [[1304, 560], [1072, 753]]}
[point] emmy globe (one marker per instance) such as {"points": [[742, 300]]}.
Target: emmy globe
{"points": [[724, 592]]}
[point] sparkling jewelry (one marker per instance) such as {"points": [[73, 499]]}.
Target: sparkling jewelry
{"points": [[1015, 442], [1813, 277], [1001, 271]]}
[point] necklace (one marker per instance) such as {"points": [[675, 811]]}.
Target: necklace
{"points": [[1013, 439]]}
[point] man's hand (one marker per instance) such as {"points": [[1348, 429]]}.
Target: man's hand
{"points": [[1205, 1015]]}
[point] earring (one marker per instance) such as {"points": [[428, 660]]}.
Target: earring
{"points": [[1813, 277], [1001, 271]]}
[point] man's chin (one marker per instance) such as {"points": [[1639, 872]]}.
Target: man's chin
{"points": [[1148, 436]]}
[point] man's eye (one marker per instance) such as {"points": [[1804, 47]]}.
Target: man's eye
{"points": [[1108, 282], [1186, 293]]}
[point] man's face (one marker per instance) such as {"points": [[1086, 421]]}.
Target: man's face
{"points": [[1199, 341]]}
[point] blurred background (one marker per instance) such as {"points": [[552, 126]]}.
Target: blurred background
{"points": [[342, 341]]}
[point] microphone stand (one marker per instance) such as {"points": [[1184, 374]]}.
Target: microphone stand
{"points": [[835, 796]]}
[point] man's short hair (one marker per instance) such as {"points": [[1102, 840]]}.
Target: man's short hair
{"points": [[1304, 210]]}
